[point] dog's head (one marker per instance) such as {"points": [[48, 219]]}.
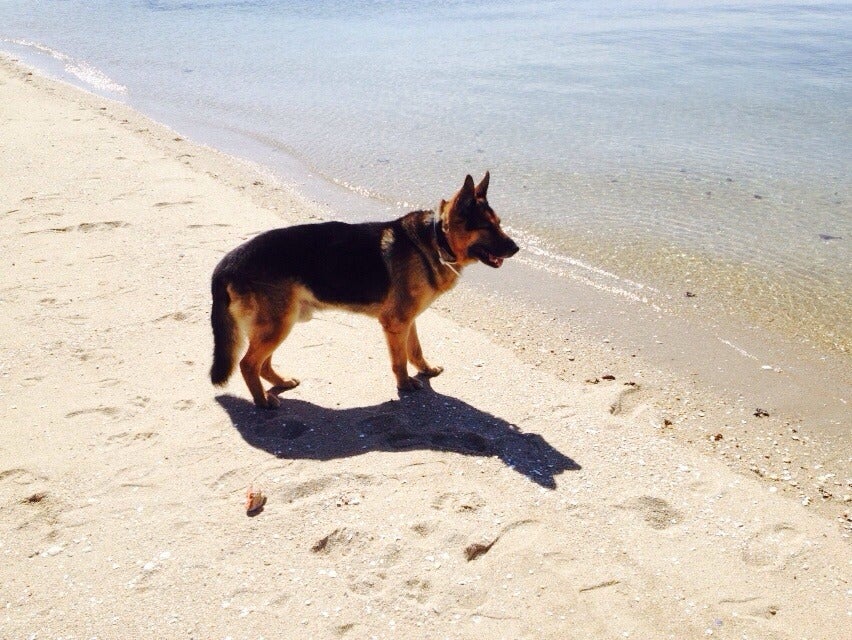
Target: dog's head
{"points": [[473, 229]]}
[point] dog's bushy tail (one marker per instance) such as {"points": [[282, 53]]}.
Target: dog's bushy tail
{"points": [[225, 334]]}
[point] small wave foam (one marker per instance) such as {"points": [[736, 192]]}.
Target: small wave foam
{"points": [[80, 69], [370, 193], [546, 259]]}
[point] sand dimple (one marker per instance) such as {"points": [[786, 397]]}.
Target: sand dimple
{"points": [[656, 512]]}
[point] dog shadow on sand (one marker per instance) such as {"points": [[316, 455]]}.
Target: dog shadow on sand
{"points": [[421, 420]]}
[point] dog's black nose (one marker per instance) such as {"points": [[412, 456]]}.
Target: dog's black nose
{"points": [[511, 248]]}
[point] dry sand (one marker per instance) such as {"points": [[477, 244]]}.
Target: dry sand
{"points": [[502, 502]]}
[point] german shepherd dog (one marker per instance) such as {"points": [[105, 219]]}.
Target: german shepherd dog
{"points": [[389, 270]]}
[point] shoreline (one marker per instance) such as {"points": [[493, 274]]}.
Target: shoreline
{"points": [[367, 521]]}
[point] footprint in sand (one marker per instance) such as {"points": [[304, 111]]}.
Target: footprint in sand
{"points": [[461, 502], [84, 227], [754, 607], [127, 438], [88, 227], [31, 381], [386, 578], [20, 476], [293, 491], [109, 382], [132, 476], [767, 611], [76, 319], [417, 589], [140, 401], [342, 630], [38, 513], [84, 355], [225, 477], [560, 413], [424, 527], [179, 316], [625, 401], [520, 534], [342, 541], [368, 584], [172, 204], [656, 512], [112, 412], [774, 546]]}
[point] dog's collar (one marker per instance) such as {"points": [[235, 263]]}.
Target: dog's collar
{"points": [[443, 246]]}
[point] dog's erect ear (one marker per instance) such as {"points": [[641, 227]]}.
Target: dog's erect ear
{"points": [[466, 195], [482, 187]]}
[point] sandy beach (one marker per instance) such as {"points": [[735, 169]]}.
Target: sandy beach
{"points": [[506, 500]]}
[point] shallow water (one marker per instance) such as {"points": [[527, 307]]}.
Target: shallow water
{"points": [[674, 146]]}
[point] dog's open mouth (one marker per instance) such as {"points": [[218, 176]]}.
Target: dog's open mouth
{"points": [[486, 257], [492, 261]]}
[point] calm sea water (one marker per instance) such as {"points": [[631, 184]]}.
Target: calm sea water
{"points": [[676, 144]]}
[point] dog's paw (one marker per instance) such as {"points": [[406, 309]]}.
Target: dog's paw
{"points": [[272, 402], [431, 372], [290, 383], [410, 384]]}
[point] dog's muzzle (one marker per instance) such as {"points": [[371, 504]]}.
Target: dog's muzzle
{"points": [[494, 256]]}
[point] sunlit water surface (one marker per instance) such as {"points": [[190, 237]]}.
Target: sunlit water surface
{"points": [[681, 145]]}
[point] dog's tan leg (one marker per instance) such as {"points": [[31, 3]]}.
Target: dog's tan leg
{"points": [[415, 354], [250, 368], [280, 384], [267, 332], [396, 334]]}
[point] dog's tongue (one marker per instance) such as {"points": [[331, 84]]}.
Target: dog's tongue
{"points": [[498, 262]]}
